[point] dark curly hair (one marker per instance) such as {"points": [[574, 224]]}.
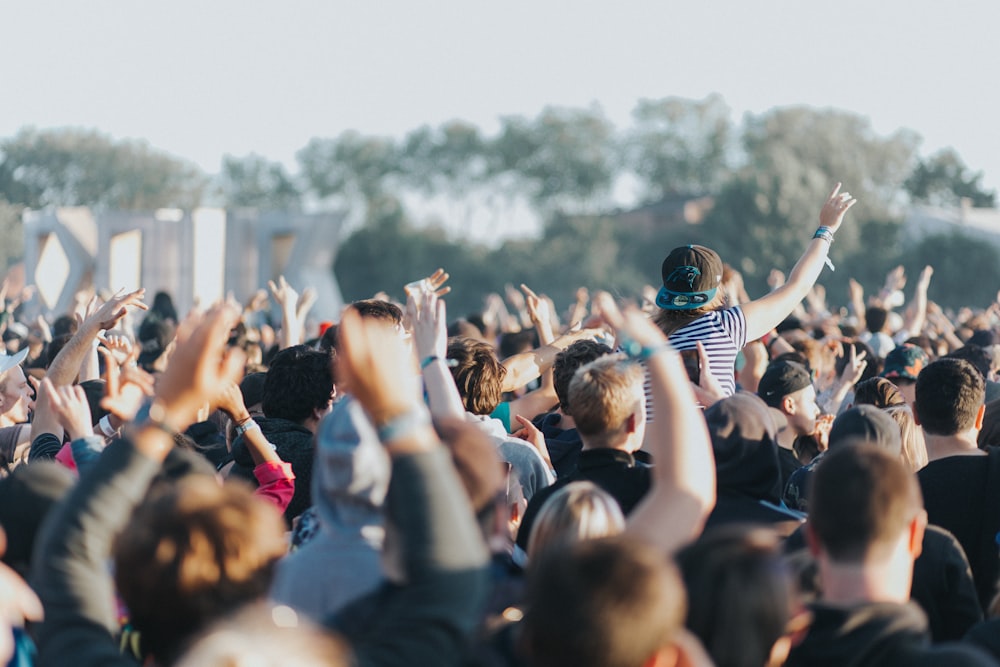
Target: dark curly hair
{"points": [[298, 381], [580, 353]]}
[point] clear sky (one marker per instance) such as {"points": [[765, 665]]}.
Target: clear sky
{"points": [[203, 78]]}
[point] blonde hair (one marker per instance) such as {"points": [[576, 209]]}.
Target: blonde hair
{"points": [[914, 452], [604, 393], [578, 511]]}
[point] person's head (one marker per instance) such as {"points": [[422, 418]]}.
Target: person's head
{"points": [[878, 392], [787, 387], [580, 353], [609, 407], [163, 307], [876, 318], [298, 386], [865, 509], [739, 594], [515, 342], [692, 275], [264, 635], [477, 373], [193, 552], [154, 338], [902, 366], [602, 602], [15, 393], [979, 357], [866, 424], [949, 397], [578, 511], [745, 448], [377, 309], [914, 453]]}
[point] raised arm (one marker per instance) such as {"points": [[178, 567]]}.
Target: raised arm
{"points": [[425, 620], [70, 566], [524, 367], [765, 313], [66, 366], [683, 493], [430, 338], [917, 314]]}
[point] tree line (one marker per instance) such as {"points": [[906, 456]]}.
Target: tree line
{"points": [[433, 196]]}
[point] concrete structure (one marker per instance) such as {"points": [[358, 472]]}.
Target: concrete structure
{"points": [[978, 223], [198, 255]]}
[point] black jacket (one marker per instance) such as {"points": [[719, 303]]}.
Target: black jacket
{"points": [[877, 635], [295, 444]]}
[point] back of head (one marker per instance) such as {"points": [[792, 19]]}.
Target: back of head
{"points": [[193, 552], [601, 602], [914, 453], [377, 309], [265, 636], [477, 373], [877, 391], [299, 380], [739, 593], [743, 435], [578, 511], [949, 393], [866, 424], [154, 337], [875, 318], [978, 356], [861, 500], [580, 353], [604, 394]]}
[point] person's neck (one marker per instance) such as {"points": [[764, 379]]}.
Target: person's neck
{"points": [[565, 421], [959, 444], [6, 421], [624, 444], [848, 585]]}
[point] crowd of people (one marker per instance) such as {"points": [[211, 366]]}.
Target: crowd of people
{"points": [[697, 478]]}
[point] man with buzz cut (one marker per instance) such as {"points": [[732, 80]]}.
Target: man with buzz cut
{"points": [[865, 529]]}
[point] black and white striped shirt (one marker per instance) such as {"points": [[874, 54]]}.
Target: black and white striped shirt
{"points": [[723, 333]]}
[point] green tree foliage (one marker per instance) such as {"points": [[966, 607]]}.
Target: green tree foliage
{"points": [[71, 167], [352, 169], [257, 182], [564, 159], [966, 270], [944, 180], [680, 146]]}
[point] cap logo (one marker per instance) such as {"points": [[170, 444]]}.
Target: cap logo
{"points": [[684, 274]]}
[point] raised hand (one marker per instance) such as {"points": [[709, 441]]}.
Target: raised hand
{"points": [[120, 347], [230, 401], [200, 366], [428, 324], [540, 314], [70, 406], [125, 387], [109, 314], [837, 204], [284, 294]]}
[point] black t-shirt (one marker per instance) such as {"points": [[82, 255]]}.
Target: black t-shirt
{"points": [[960, 497], [789, 464]]}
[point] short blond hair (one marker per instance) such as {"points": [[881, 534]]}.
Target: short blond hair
{"points": [[604, 393], [578, 511]]}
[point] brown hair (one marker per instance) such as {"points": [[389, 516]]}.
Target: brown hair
{"points": [[601, 602], [478, 374], [949, 394], [193, 552], [860, 501]]}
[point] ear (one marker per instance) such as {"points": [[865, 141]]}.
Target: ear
{"points": [[788, 405], [916, 417], [631, 422], [979, 417], [916, 533], [812, 541]]}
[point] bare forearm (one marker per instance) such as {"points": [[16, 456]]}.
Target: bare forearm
{"points": [[66, 366], [442, 394]]}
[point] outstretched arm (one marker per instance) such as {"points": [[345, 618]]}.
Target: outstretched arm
{"points": [[765, 313], [683, 493]]}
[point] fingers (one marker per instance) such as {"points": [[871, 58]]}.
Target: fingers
{"points": [[608, 310], [835, 190]]}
